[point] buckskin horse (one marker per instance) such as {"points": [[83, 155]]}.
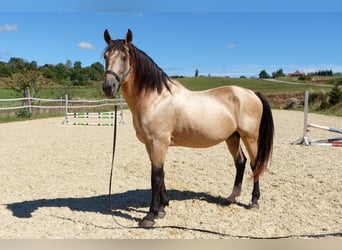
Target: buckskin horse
{"points": [[165, 114]]}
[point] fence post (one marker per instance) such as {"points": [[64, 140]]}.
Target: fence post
{"points": [[66, 110], [121, 110], [28, 101]]}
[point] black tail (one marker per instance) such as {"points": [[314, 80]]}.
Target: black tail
{"points": [[265, 140]]}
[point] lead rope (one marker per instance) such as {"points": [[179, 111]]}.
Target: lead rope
{"points": [[113, 157], [111, 172]]}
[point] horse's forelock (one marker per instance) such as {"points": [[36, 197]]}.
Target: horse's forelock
{"points": [[114, 45]]}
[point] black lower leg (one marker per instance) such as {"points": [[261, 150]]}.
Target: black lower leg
{"points": [[164, 201], [255, 193], [240, 165], [157, 183]]}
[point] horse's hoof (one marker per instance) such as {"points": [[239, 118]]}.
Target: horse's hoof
{"points": [[253, 205], [161, 214], [228, 202], [146, 223]]}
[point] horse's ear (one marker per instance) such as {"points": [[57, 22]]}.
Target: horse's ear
{"points": [[107, 36], [129, 37]]}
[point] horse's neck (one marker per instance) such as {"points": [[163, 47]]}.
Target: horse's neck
{"points": [[139, 101]]}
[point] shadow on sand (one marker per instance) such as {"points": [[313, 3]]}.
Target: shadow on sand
{"points": [[121, 203], [135, 200]]}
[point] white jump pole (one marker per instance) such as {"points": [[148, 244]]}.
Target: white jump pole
{"points": [[94, 115], [304, 140], [325, 128], [336, 142]]}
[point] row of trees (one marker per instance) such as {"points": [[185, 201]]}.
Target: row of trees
{"points": [[264, 75], [280, 73], [60, 72], [322, 73]]}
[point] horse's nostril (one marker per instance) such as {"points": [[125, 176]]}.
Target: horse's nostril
{"points": [[107, 88]]}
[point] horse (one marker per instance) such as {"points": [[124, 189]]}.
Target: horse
{"points": [[165, 113]]}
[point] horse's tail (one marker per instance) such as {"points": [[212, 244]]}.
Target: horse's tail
{"points": [[265, 139]]}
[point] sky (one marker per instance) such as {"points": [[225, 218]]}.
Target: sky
{"points": [[217, 37]]}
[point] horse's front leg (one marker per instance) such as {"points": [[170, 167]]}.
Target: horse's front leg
{"points": [[159, 196]]}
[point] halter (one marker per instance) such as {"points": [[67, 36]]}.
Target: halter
{"points": [[117, 77]]}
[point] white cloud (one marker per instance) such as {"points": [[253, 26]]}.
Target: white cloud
{"points": [[9, 28], [231, 46], [86, 46]]}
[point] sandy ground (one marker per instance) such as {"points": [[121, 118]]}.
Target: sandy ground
{"points": [[54, 184]]}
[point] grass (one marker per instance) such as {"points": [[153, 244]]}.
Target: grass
{"points": [[268, 88], [265, 87]]}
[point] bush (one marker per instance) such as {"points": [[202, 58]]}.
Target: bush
{"points": [[324, 105], [335, 95], [23, 113], [305, 78]]}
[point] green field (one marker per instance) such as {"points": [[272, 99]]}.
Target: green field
{"points": [[265, 87], [193, 83], [274, 91]]}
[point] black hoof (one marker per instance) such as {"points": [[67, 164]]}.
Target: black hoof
{"points": [[161, 214], [147, 221], [253, 205], [228, 202]]}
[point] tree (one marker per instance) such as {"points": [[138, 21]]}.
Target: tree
{"points": [[68, 64], [33, 65], [278, 73], [196, 73], [17, 64], [96, 71], [264, 75], [77, 65], [4, 70]]}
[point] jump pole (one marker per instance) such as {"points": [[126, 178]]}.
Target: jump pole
{"points": [[93, 115], [336, 130], [305, 140], [335, 142]]}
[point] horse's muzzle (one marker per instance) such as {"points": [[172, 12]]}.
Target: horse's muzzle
{"points": [[111, 87]]}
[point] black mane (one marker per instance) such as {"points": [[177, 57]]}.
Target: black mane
{"points": [[148, 75]]}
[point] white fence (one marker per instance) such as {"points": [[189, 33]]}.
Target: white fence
{"points": [[63, 105]]}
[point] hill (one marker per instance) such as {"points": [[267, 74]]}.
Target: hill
{"points": [[283, 93]]}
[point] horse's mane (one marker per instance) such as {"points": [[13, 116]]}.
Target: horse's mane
{"points": [[149, 76]]}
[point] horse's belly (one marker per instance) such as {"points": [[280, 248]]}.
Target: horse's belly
{"points": [[200, 138], [203, 127], [193, 143]]}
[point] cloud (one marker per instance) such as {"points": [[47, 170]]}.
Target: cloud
{"points": [[9, 28], [231, 46], [86, 46]]}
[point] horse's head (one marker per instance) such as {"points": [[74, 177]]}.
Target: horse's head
{"points": [[117, 61]]}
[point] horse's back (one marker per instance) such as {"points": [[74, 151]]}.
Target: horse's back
{"points": [[205, 118], [244, 104]]}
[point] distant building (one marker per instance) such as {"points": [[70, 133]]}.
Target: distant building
{"points": [[295, 74]]}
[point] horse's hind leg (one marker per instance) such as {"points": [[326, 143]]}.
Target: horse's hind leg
{"points": [[233, 143], [252, 148]]}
